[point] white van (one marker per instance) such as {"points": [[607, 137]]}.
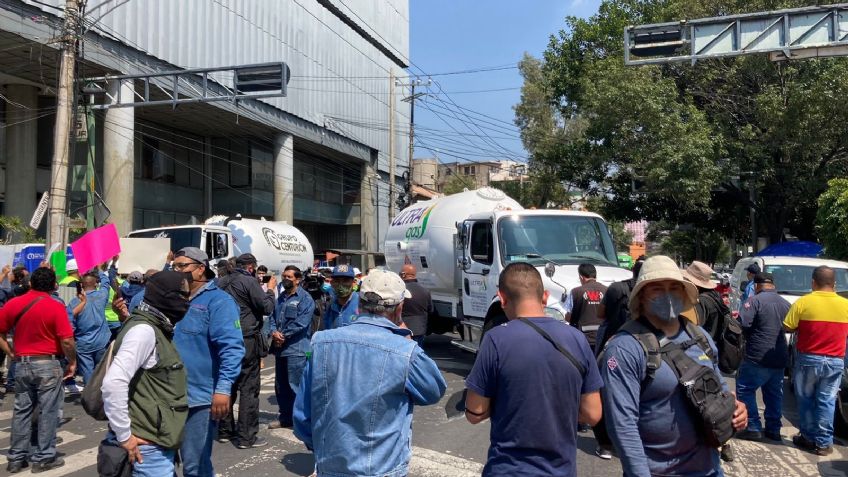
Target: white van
{"points": [[793, 276]]}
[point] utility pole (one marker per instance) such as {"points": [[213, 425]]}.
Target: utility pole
{"points": [[391, 145], [411, 99], [62, 130]]}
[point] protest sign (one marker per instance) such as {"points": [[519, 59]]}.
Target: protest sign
{"points": [[96, 247], [142, 254]]}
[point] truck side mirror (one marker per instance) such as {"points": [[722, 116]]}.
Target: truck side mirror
{"points": [[463, 263], [549, 270]]}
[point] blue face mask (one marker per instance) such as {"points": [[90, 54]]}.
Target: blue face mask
{"points": [[666, 306]]}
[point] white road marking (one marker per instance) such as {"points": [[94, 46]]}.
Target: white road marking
{"points": [[67, 438]]}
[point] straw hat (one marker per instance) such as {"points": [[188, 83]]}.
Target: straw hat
{"points": [[699, 273], [656, 269]]}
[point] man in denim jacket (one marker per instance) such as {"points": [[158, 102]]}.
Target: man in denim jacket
{"points": [[369, 368], [210, 343]]}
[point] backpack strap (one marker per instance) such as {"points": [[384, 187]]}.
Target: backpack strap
{"points": [[650, 344], [697, 334]]}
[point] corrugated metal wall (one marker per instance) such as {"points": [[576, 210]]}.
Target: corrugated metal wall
{"points": [[335, 72]]}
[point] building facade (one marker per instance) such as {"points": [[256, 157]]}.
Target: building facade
{"points": [[318, 158]]}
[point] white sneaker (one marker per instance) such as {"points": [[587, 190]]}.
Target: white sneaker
{"points": [[73, 389]]}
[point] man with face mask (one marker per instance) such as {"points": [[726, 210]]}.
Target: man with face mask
{"points": [[344, 303], [355, 403], [652, 425], [254, 305], [290, 334], [147, 378], [210, 342]]}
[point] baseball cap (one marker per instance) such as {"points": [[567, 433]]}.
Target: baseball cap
{"points": [[71, 265], [764, 277], [387, 286], [753, 268], [245, 259], [198, 256], [135, 277], [343, 271]]}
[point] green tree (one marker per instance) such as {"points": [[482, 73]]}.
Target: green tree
{"points": [[456, 183], [621, 236], [832, 219], [17, 231], [696, 138]]}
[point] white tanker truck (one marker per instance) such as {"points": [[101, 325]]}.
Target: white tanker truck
{"points": [[275, 244], [460, 244]]}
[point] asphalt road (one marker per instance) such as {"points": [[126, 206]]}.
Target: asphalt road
{"points": [[444, 443]]}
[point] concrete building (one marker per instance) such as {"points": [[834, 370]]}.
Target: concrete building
{"points": [[430, 173], [318, 158]]}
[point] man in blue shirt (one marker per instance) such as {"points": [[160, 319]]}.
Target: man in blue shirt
{"points": [[766, 354], [651, 422], [370, 368], [290, 333], [752, 270], [87, 313], [344, 303], [210, 343], [534, 408]]}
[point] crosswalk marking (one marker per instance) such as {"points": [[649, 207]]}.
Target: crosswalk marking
{"points": [[67, 438]]}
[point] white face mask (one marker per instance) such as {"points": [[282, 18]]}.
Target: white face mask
{"points": [[666, 306]]}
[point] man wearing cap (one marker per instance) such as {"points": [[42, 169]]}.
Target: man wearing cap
{"points": [[290, 334], [341, 392], [765, 358], [73, 276], [254, 305], [751, 271], [133, 285], [210, 343], [652, 425], [344, 303], [534, 409]]}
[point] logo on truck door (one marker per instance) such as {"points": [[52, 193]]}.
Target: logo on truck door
{"points": [[417, 217]]}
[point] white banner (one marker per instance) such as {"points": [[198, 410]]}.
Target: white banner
{"points": [[142, 254], [39, 211]]}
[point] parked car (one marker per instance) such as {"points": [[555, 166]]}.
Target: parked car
{"points": [[793, 278]]}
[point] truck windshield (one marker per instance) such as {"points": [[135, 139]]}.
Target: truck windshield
{"points": [[558, 238], [797, 279], [183, 237]]}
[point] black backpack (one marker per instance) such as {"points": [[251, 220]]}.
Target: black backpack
{"points": [[701, 384], [727, 334]]}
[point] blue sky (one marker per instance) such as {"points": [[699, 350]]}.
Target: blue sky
{"points": [[455, 35]]}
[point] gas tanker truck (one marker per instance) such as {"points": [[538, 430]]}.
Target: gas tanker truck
{"points": [[275, 244], [460, 243]]}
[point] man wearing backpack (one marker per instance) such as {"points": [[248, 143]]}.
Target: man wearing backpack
{"points": [[654, 425], [766, 354]]}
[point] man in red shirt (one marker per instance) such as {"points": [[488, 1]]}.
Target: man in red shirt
{"points": [[43, 335]]}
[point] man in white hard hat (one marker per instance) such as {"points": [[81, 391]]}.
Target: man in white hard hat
{"points": [[73, 274]]}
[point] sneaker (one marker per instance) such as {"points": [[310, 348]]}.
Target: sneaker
{"points": [[748, 435], [16, 466], [823, 450], [802, 442], [773, 436], [259, 441], [223, 439], [727, 454], [280, 425], [603, 453], [73, 389], [44, 466]]}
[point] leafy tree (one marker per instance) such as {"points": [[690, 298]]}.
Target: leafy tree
{"points": [[832, 219], [696, 138], [456, 183], [17, 231], [621, 236]]}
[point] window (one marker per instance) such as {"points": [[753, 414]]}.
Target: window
{"points": [[468, 170], [216, 245], [156, 164], [481, 243]]}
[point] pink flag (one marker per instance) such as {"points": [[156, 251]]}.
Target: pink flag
{"points": [[96, 247]]}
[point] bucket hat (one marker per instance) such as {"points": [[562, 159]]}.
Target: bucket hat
{"points": [[656, 269], [699, 273]]}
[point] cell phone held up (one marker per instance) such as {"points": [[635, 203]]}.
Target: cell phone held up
{"points": [[79, 287], [266, 278]]}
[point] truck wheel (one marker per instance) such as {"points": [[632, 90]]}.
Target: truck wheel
{"points": [[840, 415]]}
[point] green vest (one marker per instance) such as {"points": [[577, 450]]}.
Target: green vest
{"points": [[110, 313], [158, 400]]}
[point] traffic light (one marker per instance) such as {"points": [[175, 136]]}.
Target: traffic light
{"points": [[658, 41]]}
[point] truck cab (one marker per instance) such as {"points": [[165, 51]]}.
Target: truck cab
{"points": [[554, 241], [216, 240]]}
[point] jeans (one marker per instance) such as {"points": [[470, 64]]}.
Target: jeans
{"points": [[288, 371], [158, 462], [751, 377], [37, 383], [196, 451], [87, 361], [816, 386], [247, 388]]}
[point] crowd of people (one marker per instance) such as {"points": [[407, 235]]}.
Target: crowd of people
{"points": [[164, 357]]}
